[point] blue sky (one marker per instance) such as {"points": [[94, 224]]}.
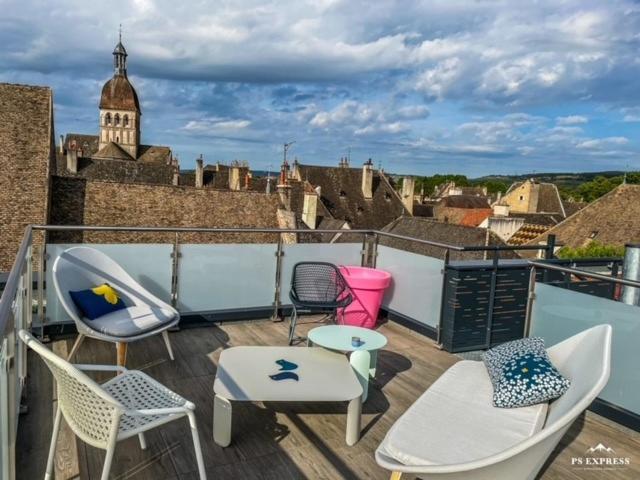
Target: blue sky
{"points": [[422, 87]]}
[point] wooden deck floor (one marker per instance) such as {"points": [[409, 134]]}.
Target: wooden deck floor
{"points": [[282, 441]]}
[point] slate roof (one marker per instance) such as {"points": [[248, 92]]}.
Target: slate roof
{"points": [[341, 194], [464, 201], [119, 94], [613, 219], [154, 154], [112, 151], [110, 170], [87, 143], [447, 233]]}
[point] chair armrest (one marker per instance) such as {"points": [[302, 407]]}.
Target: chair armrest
{"points": [[99, 368], [157, 411]]}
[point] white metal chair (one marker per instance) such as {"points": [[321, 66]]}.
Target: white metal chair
{"points": [[80, 268], [129, 404], [583, 358]]}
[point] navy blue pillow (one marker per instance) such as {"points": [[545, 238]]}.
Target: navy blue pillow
{"points": [[522, 374], [98, 301]]}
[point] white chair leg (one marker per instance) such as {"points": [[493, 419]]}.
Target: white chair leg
{"points": [[196, 445], [107, 461], [165, 336], [52, 449], [143, 441], [76, 346]]}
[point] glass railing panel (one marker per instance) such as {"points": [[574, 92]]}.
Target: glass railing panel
{"points": [[559, 313], [416, 286], [226, 276], [148, 264], [336, 253]]}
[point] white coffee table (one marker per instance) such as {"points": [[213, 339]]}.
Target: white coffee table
{"points": [[243, 376]]}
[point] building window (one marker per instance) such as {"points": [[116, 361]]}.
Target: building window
{"points": [[125, 121], [387, 196], [521, 197], [107, 119], [343, 194], [116, 119]]}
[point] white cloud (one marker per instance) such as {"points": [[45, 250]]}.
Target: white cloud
{"points": [[213, 124], [599, 143], [572, 120]]}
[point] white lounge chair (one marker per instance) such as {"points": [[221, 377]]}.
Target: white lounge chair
{"points": [[129, 404], [80, 268], [453, 431]]}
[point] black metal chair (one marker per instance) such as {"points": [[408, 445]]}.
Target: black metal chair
{"points": [[317, 287]]}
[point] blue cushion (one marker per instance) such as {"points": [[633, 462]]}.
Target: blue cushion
{"points": [[98, 301], [522, 374]]}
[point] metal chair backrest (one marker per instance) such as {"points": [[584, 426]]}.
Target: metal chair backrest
{"points": [[318, 282], [89, 410]]}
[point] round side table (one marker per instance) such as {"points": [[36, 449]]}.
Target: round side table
{"points": [[363, 358]]}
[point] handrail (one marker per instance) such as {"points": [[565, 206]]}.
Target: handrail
{"points": [[446, 246], [585, 273]]}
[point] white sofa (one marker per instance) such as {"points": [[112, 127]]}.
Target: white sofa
{"points": [[453, 431]]}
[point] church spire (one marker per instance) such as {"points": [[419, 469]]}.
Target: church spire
{"points": [[120, 56]]}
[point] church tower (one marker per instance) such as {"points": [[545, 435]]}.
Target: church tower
{"points": [[120, 108]]}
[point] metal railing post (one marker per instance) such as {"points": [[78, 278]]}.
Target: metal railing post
{"points": [[492, 296], [447, 255], [531, 296], [631, 271], [550, 248], [374, 251], [40, 292], [364, 262], [276, 316], [175, 256]]}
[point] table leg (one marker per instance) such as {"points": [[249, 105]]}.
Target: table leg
{"points": [[221, 421], [372, 363], [361, 362], [354, 413]]}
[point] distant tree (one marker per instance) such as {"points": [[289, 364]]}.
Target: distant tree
{"points": [[593, 250], [494, 186], [599, 186], [429, 184]]}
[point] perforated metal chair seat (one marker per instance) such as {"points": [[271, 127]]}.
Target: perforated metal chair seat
{"points": [[138, 391]]}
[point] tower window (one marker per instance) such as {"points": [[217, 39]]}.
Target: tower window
{"points": [[125, 120], [107, 119], [117, 119]]}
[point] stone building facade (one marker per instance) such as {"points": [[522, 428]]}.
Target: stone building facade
{"points": [[26, 155]]}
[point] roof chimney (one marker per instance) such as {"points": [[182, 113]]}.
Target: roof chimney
{"points": [[408, 190], [176, 178], [367, 179], [199, 172], [61, 144], [234, 177], [247, 180], [295, 172], [72, 160]]}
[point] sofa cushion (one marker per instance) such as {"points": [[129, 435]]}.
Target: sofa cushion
{"points": [[132, 321], [455, 421], [522, 374]]}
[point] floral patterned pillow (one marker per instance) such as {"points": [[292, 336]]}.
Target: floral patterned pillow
{"points": [[522, 374]]}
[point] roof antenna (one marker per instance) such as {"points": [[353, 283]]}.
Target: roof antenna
{"points": [[120, 33]]}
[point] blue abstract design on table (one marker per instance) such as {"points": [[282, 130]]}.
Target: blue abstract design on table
{"points": [[522, 374], [285, 365], [284, 376]]}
